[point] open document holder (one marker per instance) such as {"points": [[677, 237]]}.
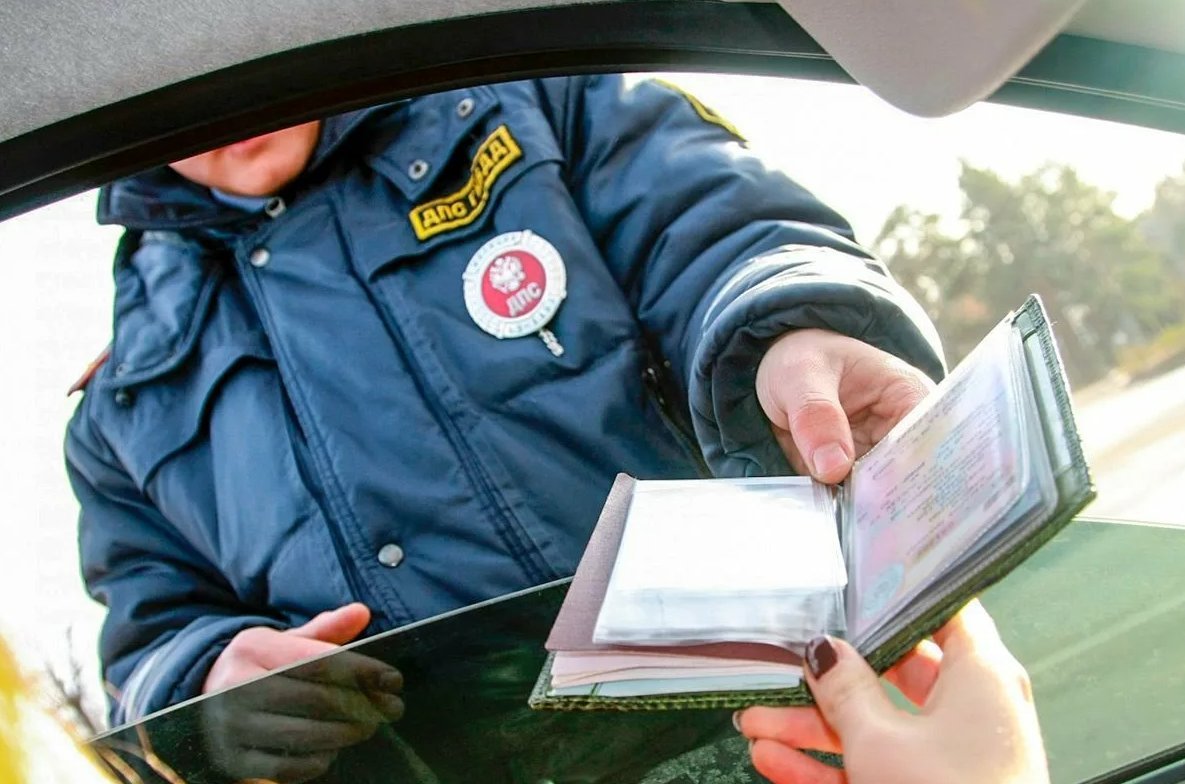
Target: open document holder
{"points": [[1054, 487]]}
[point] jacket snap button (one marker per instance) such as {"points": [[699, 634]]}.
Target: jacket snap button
{"points": [[260, 257], [465, 107], [275, 207], [123, 398], [418, 169], [391, 555]]}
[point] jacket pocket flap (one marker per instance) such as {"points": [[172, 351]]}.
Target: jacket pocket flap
{"points": [[150, 423]]}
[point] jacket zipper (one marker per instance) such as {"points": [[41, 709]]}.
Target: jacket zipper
{"points": [[655, 380], [301, 453], [324, 490]]}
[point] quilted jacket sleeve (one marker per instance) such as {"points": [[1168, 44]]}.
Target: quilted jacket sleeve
{"points": [[719, 254], [169, 614]]}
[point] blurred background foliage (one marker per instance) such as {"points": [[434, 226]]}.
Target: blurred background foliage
{"points": [[1115, 287]]}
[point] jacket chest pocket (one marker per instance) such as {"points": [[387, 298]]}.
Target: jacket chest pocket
{"points": [[156, 420], [210, 446]]}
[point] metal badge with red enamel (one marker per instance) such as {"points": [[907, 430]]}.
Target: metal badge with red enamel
{"points": [[514, 285]]}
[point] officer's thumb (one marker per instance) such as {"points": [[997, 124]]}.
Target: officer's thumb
{"points": [[798, 387], [338, 626], [845, 688]]}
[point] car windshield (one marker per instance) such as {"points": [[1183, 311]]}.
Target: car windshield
{"points": [[971, 213]]}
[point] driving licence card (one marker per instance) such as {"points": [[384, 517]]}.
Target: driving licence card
{"points": [[935, 484]]}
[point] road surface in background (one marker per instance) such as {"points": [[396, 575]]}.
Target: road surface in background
{"points": [[1098, 615], [1135, 442]]}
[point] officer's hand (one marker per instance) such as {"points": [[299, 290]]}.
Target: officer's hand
{"points": [[977, 724], [289, 727], [830, 398], [256, 651]]}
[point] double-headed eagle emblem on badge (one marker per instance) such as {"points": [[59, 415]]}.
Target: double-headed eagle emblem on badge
{"points": [[514, 285], [506, 274]]}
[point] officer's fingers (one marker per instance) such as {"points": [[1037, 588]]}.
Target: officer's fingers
{"points": [[820, 429], [389, 705], [790, 449], [290, 696], [798, 387], [800, 728], [338, 626], [285, 648], [362, 679], [347, 668], [274, 727], [784, 765], [296, 735], [255, 651], [915, 674], [269, 766]]}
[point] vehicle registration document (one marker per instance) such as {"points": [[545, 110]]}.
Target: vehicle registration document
{"points": [[703, 593]]}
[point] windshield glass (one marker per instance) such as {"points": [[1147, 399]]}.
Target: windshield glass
{"points": [[970, 213]]}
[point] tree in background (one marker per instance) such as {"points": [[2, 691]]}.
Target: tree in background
{"points": [[1103, 283], [1163, 225], [70, 696]]}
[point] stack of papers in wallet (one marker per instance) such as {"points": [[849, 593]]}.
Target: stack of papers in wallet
{"points": [[701, 585], [743, 560]]}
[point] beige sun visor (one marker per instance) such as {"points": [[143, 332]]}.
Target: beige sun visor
{"points": [[932, 57]]}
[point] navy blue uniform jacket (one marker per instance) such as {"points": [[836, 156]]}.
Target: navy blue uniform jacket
{"points": [[291, 391]]}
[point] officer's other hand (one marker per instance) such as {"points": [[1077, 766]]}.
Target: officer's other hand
{"points": [[830, 398], [289, 727], [977, 725], [260, 649]]}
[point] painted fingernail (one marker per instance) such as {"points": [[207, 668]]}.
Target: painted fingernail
{"points": [[736, 720], [820, 656], [829, 460]]}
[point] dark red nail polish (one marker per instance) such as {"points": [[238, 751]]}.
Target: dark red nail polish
{"points": [[820, 656]]}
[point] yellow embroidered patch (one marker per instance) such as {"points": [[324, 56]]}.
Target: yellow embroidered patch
{"points": [[494, 156], [706, 114]]}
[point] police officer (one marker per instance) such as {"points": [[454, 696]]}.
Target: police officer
{"points": [[369, 369]]}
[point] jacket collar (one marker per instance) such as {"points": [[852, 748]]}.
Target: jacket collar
{"points": [[161, 199]]}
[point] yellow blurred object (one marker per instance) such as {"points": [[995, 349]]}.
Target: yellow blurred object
{"points": [[11, 759], [33, 746]]}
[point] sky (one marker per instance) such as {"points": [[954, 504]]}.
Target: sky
{"points": [[855, 152], [864, 157]]}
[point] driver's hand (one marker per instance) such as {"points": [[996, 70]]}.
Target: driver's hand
{"points": [[830, 398], [289, 727], [977, 724]]}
